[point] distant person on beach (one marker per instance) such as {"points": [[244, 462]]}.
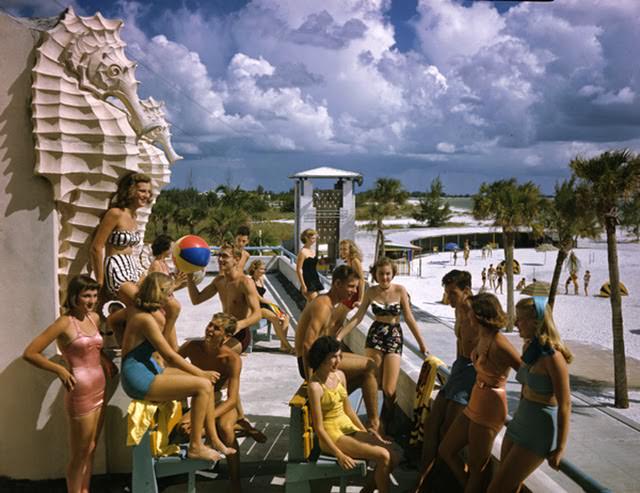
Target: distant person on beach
{"points": [[83, 375], [317, 319], [455, 256], [521, 284], [385, 340], [540, 426], [211, 354], [483, 275], [466, 252], [241, 240], [492, 277], [143, 379], [339, 430], [352, 256], [161, 250], [307, 266], [573, 278], [499, 279], [484, 252], [454, 396], [484, 416], [586, 280], [268, 310]]}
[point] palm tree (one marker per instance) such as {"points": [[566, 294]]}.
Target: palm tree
{"points": [[565, 216], [610, 180], [386, 199], [510, 206]]}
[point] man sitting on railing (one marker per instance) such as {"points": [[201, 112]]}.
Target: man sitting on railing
{"points": [[242, 240], [317, 319]]}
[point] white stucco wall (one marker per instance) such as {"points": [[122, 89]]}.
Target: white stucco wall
{"points": [[32, 417]]}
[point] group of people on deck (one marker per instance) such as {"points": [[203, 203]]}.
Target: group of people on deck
{"points": [[469, 411]]}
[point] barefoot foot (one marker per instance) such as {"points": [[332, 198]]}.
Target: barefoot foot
{"points": [[204, 453]]}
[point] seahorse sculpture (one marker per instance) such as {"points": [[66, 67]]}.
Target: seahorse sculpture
{"points": [[84, 142]]}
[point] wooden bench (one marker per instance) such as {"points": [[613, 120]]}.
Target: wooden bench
{"points": [[146, 468], [305, 461], [255, 336]]}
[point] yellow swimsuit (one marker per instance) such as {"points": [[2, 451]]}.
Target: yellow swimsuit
{"points": [[336, 422]]}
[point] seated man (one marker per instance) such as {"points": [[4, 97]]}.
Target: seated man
{"points": [[318, 319], [211, 354]]}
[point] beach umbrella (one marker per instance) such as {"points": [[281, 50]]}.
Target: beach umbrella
{"points": [[546, 247], [537, 288], [448, 247]]}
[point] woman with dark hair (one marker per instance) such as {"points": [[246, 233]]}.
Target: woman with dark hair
{"points": [[112, 259], [76, 334], [540, 426], [161, 249], [142, 377], [385, 339], [484, 416], [338, 427]]}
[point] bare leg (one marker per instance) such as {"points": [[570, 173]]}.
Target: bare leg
{"points": [[480, 442], [389, 377], [362, 369], [456, 438], [280, 328], [226, 424], [362, 445], [431, 436], [516, 464], [176, 384], [82, 443]]}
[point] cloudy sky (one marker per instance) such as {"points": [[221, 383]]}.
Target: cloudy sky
{"points": [[470, 91]]}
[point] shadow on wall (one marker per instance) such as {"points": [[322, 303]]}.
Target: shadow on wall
{"points": [[24, 188], [32, 407]]}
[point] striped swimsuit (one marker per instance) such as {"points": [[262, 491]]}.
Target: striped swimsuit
{"points": [[120, 268]]}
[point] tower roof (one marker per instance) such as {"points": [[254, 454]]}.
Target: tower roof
{"points": [[327, 172]]}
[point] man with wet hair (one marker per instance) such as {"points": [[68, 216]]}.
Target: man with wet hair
{"points": [[454, 396], [317, 319]]}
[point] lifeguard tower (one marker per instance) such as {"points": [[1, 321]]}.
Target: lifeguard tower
{"points": [[331, 212]]}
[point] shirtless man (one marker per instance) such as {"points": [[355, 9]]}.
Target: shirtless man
{"points": [[239, 298], [317, 319], [237, 293], [241, 241], [454, 396], [211, 354]]}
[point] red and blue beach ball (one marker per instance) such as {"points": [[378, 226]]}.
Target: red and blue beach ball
{"points": [[191, 254]]}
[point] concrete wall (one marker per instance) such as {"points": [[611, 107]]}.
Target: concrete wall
{"points": [[32, 417], [348, 211]]}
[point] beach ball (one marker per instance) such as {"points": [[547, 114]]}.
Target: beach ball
{"points": [[191, 254]]}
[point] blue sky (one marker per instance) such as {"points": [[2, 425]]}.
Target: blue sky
{"points": [[469, 91]]}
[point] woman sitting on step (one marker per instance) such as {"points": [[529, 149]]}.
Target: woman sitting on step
{"points": [[339, 430]]}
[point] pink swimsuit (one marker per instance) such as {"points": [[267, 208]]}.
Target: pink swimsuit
{"points": [[83, 357]]}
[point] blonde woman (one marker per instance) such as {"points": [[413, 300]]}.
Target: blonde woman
{"points": [[540, 426], [352, 256], [307, 265], [484, 416], [143, 379], [269, 311]]}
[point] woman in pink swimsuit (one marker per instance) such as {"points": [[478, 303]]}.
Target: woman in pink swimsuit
{"points": [[77, 335]]}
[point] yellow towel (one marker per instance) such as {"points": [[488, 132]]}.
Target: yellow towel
{"points": [[421, 403], [142, 416]]}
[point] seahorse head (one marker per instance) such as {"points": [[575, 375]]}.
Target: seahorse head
{"points": [[160, 134]]}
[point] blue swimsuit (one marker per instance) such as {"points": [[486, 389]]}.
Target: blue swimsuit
{"points": [[138, 370]]}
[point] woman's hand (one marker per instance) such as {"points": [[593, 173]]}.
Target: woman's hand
{"points": [[212, 376], [378, 437], [304, 291], [423, 348], [555, 457], [68, 380], [179, 280], [346, 462], [110, 368]]}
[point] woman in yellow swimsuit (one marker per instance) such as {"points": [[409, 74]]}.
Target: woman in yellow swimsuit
{"points": [[339, 429]]}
